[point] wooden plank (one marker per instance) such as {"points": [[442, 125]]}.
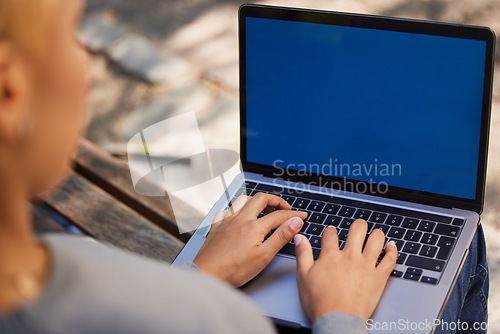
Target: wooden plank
{"points": [[42, 223], [103, 217], [113, 175]]}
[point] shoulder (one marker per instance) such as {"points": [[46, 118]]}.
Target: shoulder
{"points": [[99, 286]]}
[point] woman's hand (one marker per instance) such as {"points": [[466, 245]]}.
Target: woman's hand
{"points": [[235, 250], [345, 280]]}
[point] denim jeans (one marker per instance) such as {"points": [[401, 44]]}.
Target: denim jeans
{"points": [[467, 308]]}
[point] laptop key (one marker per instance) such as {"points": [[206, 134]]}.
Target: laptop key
{"points": [[378, 217], [289, 199], [399, 243], [411, 247], [412, 277], [343, 234], [346, 211], [425, 263], [413, 236], [410, 223], [397, 273], [316, 206], [382, 227], [425, 216], [426, 226], [448, 230], [346, 223], [445, 245], [362, 214], [415, 271], [413, 274], [331, 209], [316, 252], [304, 227], [430, 280], [394, 220], [401, 258], [333, 220], [315, 229], [318, 218], [458, 222], [428, 251], [341, 245], [396, 232], [315, 241], [429, 239], [301, 203]]}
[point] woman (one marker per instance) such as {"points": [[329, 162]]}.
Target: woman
{"points": [[66, 284]]}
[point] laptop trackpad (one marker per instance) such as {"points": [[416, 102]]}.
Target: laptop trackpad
{"points": [[275, 292]]}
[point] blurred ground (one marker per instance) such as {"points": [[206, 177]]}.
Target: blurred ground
{"points": [[192, 62]]}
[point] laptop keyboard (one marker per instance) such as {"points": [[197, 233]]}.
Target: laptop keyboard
{"points": [[424, 240]]}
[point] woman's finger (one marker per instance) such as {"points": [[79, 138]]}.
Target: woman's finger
{"points": [[329, 240], [374, 245], [239, 204], [356, 236], [388, 262], [303, 254], [282, 235], [261, 201], [278, 217]]}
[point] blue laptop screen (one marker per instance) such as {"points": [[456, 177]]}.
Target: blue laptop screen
{"points": [[387, 107]]}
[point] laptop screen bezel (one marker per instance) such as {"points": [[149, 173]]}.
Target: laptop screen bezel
{"points": [[380, 23]]}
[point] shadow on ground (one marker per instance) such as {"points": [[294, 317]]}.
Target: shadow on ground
{"points": [[163, 17]]}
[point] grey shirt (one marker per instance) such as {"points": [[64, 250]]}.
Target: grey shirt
{"points": [[95, 288]]}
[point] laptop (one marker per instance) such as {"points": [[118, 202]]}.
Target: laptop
{"points": [[353, 116]]}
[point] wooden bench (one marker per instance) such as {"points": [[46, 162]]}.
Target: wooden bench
{"points": [[99, 200]]}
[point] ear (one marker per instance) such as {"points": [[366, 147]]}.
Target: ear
{"points": [[13, 91]]}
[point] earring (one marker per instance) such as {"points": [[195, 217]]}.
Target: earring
{"points": [[25, 127]]}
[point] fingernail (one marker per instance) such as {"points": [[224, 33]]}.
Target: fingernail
{"points": [[296, 223], [392, 243], [297, 239]]}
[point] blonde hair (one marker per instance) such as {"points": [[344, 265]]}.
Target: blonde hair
{"points": [[24, 22]]}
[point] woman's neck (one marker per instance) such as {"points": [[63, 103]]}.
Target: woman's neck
{"points": [[24, 260]]}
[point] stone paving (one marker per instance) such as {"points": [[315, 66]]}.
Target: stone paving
{"points": [[154, 59]]}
